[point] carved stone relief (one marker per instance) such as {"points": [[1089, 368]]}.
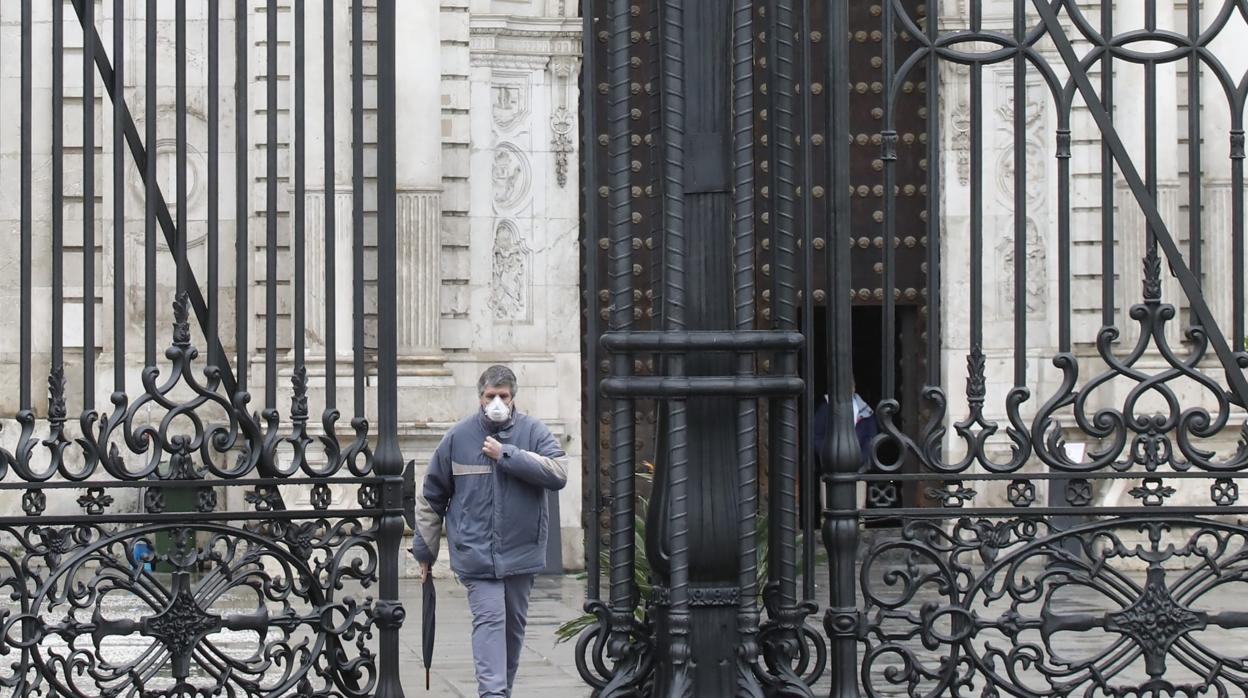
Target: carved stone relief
{"points": [[511, 274], [1033, 135], [561, 142], [561, 117], [1034, 196], [509, 100], [1037, 271], [511, 177], [955, 91], [166, 151], [960, 122]]}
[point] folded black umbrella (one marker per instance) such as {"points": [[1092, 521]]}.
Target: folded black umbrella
{"points": [[428, 621]]}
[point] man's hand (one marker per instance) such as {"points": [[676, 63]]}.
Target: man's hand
{"points": [[492, 448], [424, 572]]}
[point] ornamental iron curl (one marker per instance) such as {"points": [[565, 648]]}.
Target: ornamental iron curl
{"points": [[1128, 438], [183, 443]]}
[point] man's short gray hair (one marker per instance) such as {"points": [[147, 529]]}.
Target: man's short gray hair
{"points": [[497, 376]]}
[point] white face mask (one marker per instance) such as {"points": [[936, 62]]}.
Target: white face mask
{"points": [[497, 411]]}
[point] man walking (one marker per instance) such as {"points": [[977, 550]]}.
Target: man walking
{"points": [[488, 480]]}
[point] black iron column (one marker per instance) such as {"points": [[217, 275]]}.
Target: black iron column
{"points": [[693, 530], [841, 452], [781, 634], [677, 674], [626, 649], [748, 666], [389, 461]]}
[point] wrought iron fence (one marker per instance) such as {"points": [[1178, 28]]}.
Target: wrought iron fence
{"points": [[214, 549], [1064, 524]]}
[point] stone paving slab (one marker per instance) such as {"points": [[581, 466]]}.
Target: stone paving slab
{"points": [[546, 669]]}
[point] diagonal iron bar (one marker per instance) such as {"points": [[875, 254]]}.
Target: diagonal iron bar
{"points": [[1161, 233], [139, 153]]}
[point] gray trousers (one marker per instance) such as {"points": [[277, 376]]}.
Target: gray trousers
{"points": [[500, 609]]}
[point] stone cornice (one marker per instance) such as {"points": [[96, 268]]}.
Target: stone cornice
{"points": [[506, 41]]}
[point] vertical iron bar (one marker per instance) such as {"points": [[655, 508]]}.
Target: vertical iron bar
{"points": [[620, 272], [330, 227], [389, 461], [387, 323], [357, 200], [977, 195], [1063, 232], [784, 520], [1020, 198], [1108, 270], [770, 139], [180, 109], [119, 205], [841, 453], [164, 218], [743, 236], [1195, 199], [674, 244], [242, 217], [300, 319], [163, 215], [589, 263], [214, 242], [809, 489], [88, 208], [26, 231], [1063, 229], [1150, 128], [150, 187], [1237, 229], [934, 187], [25, 413], [888, 155], [58, 183], [270, 205]]}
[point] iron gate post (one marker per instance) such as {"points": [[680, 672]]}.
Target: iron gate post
{"points": [[841, 453], [390, 612], [692, 531]]}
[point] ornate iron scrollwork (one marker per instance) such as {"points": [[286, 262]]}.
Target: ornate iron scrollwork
{"points": [[794, 655], [80, 587], [615, 655], [76, 591], [994, 608]]}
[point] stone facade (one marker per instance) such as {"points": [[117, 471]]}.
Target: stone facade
{"points": [[488, 212], [487, 263]]}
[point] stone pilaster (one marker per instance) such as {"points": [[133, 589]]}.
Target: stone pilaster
{"points": [[419, 214], [317, 264]]}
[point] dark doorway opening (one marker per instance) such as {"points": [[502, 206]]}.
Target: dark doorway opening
{"points": [[867, 355]]}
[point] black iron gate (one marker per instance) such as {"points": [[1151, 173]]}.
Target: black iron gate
{"points": [[1084, 536], [172, 540]]}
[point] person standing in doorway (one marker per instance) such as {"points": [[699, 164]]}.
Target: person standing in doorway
{"points": [[865, 427], [488, 481]]}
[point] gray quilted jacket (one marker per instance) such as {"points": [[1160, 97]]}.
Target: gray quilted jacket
{"points": [[495, 511]]}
